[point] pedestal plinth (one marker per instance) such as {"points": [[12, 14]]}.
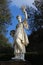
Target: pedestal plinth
{"points": [[13, 62]]}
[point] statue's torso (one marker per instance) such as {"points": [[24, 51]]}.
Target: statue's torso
{"points": [[20, 34]]}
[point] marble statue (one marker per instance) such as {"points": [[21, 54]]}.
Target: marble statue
{"points": [[20, 37]]}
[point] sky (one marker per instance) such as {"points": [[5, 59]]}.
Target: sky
{"points": [[19, 3], [15, 10]]}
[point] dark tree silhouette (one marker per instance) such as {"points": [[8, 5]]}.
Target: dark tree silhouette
{"points": [[36, 38], [39, 15], [6, 50], [4, 41], [5, 15], [35, 19]]}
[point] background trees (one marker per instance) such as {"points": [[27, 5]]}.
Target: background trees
{"points": [[39, 15], [5, 15], [5, 20], [6, 50], [35, 15], [4, 41], [36, 26], [35, 48]]}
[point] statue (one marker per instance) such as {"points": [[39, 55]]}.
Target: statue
{"points": [[20, 37]]}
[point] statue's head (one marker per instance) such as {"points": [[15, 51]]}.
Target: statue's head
{"points": [[19, 18]]}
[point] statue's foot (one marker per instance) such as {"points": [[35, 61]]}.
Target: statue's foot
{"points": [[13, 58], [18, 59], [23, 59]]}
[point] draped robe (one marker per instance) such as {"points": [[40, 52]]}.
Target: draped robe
{"points": [[21, 40]]}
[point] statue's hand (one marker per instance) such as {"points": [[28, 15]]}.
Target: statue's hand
{"points": [[23, 8], [25, 43]]}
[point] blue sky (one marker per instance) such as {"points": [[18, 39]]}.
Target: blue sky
{"points": [[19, 3], [15, 10]]}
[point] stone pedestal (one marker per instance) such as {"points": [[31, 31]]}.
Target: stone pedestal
{"points": [[13, 62]]}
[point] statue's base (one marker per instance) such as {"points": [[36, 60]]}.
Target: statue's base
{"points": [[18, 59], [15, 62]]}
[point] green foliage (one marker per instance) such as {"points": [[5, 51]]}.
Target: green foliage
{"points": [[6, 50], [39, 4], [35, 16], [4, 41], [5, 15], [39, 15]]}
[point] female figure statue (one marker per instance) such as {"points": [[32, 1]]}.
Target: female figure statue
{"points": [[20, 38]]}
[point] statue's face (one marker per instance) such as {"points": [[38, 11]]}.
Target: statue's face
{"points": [[19, 18]]}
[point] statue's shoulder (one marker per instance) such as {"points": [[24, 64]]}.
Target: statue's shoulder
{"points": [[19, 25]]}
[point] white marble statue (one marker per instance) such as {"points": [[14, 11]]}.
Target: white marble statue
{"points": [[20, 37]]}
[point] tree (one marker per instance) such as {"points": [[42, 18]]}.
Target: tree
{"points": [[4, 41], [31, 14], [35, 16], [39, 15], [36, 25], [39, 4], [6, 50], [5, 15]]}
